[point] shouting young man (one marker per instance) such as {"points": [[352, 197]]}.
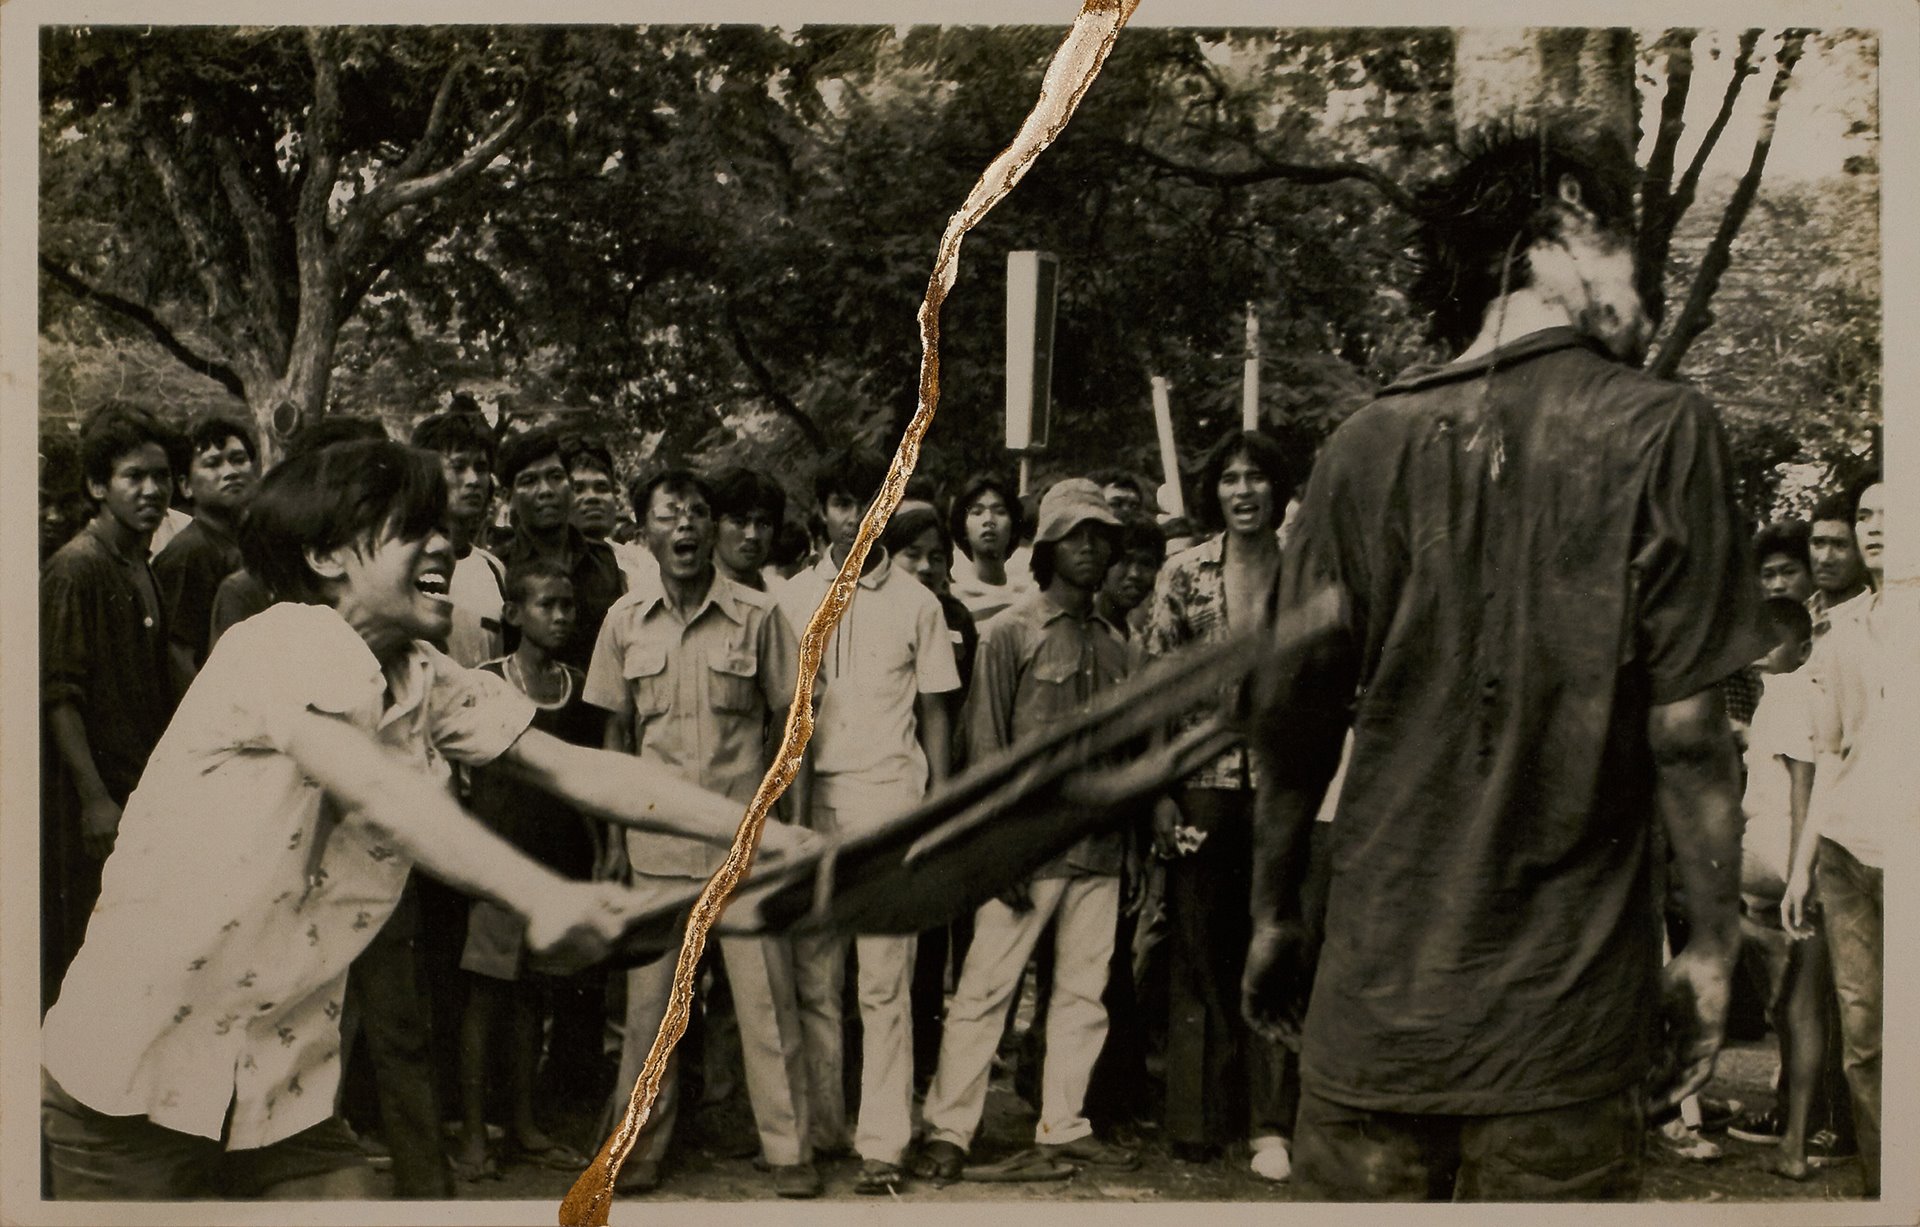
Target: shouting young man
{"points": [[697, 674], [195, 1047]]}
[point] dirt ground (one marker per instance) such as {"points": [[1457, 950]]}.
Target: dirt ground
{"points": [[697, 1172]]}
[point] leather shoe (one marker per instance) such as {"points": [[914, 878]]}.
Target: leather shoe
{"points": [[638, 1176], [796, 1180], [941, 1161]]}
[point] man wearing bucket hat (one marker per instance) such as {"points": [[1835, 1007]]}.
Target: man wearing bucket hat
{"points": [[1040, 661]]}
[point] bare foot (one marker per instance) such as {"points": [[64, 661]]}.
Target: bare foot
{"points": [[533, 1138], [1790, 1166], [471, 1162]]}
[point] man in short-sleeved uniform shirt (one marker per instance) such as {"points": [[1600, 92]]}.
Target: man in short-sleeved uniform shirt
{"points": [[699, 692], [1538, 546]]}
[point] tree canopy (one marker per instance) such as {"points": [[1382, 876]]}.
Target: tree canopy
{"points": [[710, 242]]}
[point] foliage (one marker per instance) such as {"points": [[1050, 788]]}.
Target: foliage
{"points": [[711, 242]]}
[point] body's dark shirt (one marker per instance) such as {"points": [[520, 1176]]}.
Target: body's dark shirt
{"points": [[103, 649], [965, 634], [189, 571], [1533, 559], [238, 597], [532, 819], [597, 583]]}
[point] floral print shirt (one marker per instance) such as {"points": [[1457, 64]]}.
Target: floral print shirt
{"points": [[236, 896], [1189, 605]]}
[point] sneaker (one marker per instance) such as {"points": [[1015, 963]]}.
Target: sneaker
{"points": [[796, 1180], [1717, 1114], [1092, 1152], [1764, 1128], [1824, 1149], [1272, 1159]]}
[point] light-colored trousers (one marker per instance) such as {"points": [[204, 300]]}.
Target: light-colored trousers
{"points": [[885, 984], [884, 991], [1086, 911], [760, 975]]}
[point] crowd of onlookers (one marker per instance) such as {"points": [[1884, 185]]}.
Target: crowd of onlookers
{"points": [[658, 613]]}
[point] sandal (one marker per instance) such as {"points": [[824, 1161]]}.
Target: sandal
{"points": [[469, 1172], [554, 1156], [878, 1177], [1028, 1166]]}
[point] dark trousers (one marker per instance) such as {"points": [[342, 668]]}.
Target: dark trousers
{"points": [[936, 950], [1224, 1083], [1853, 910], [387, 1003], [1117, 1091], [1588, 1151], [96, 1157]]}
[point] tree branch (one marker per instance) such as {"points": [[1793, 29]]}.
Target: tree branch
{"points": [[265, 287], [222, 295], [420, 187], [321, 143], [416, 160], [763, 378], [1655, 238], [217, 371], [1694, 317], [1657, 181], [359, 286], [1690, 180], [1272, 171]]}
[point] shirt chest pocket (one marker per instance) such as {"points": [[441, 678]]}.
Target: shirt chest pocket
{"points": [[645, 668], [733, 683], [1056, 687]]}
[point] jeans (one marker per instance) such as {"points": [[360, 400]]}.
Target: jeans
{"points": [[1588, 1151], [96, 1157], [1853, 906]]}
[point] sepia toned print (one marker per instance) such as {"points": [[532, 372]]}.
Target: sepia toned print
{"points": [[1544, 349]]}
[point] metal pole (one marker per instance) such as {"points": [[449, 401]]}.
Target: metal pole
{"points": [[1250, 374], [1169, 459]]}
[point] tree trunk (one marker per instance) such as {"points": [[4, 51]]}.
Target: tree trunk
{"points": [[1578, 81]]}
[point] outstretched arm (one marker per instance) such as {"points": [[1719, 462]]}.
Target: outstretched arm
{"points": [[1697, 795], [570, 924], [631, 792]]}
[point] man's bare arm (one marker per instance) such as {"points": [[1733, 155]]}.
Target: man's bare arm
{"points": [[935, 731], [1802, 845], [569, 924], [99, 813], [629, 792], [1697, 796]]}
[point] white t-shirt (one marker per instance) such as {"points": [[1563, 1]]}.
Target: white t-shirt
{"points": [[638, 564], [1782, 729], [983, 600], [476, 589]]}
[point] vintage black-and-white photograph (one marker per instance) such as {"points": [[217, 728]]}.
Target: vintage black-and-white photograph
{"points": [[1376, 687]]}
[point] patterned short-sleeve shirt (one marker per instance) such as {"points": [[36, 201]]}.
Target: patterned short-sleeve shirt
{"points": [[216, 960], [1189, 605]]}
